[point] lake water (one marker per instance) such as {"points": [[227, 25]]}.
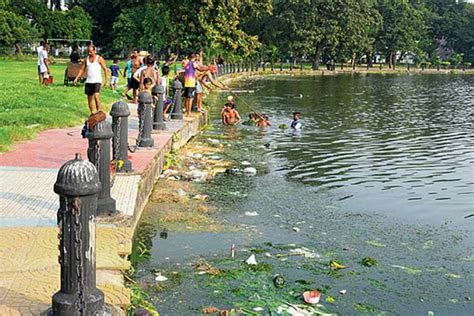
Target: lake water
{"points": [[382, 168], [398, 145]]}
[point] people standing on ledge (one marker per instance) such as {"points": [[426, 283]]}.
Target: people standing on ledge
{"points": [[190, 66], [296, 124], [93, 63]]}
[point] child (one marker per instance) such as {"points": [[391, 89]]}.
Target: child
{"points": [[296, 124], [148, 85], [115, 70], [229, 115]]}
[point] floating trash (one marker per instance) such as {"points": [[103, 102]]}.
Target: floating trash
{"points": [[181, 192], [336, 265], [246, 163], [279, 281], [201, 197], [250, 171], [251, 260], [312, 297], [342, 292], [251, 214], [161, 278]]}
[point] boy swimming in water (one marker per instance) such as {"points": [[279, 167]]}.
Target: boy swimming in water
{"points": [[296, 124], [260, 120], [229, 115]]}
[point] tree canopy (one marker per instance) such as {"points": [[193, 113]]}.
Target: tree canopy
{"points": [[260, 29]]}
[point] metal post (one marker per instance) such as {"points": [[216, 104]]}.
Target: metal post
{"points": [[272, 68], [144, 124], [177, 113], [263, 66], [99, 155], [77, 185], [256, 66], [251, 66], [158, 122], [291, 66], [120, 113], [238, 67], [301, 65], [226, 68], [281, 67]]}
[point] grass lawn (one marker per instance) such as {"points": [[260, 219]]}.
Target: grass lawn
{"points": [[27, 108]]}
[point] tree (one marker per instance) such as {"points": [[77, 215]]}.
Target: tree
{"points": [[14, 29], [403, 27]]}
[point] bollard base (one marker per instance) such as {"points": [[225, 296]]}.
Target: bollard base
{"points": [[106, 206], [65, 304], [159, 126], [176, 116], [146, 142]]}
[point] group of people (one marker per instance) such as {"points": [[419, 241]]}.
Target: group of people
{"points": [[143, 73]]}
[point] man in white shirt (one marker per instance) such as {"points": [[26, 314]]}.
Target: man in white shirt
{"points": [[39, 49], [43, 67]]}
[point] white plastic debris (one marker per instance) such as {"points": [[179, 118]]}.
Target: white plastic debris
{"points": [[246, 163], [296, 229], [201, 197], [258, 309], [267, 255], [250, 171], [181, 192], [213, 141], [197, 156], [214, 157], [342, 292], [251, 214], [303, 251], [161, 278], [251, 260]]}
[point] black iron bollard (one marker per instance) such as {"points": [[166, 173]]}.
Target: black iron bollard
{"points": [[238, 67], [272, 68], [251, 67], [120, 113], [77, 185], [99, 155], [144, 120], [381, 65], [281, 67], [301, 66], [226, 66], [158, 122], [256, 66], [291, 66], [177, 113], [263, 66]]}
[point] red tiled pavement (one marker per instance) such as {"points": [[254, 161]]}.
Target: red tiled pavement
{"points": [[52, 148]]}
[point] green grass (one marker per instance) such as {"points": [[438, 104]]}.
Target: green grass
{"points": [[27, 108]]}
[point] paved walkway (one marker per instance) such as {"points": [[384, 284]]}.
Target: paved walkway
{"points": [[29, 269]]}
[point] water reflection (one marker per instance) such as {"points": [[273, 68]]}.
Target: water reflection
{"points": [[395, 144]]}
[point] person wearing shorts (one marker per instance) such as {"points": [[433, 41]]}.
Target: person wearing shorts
{"points": [[43, 67], [190, 65], [93, 63], [115, 72]]}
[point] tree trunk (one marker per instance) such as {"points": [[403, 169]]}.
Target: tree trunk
{"points": [[18, 50], [316, 58]]}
